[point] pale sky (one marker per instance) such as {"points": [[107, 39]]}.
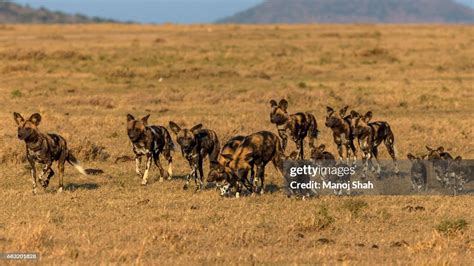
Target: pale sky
{"points": [[149, 11], [155, 11]]}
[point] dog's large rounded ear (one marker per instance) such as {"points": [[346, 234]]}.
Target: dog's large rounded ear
{"points": [[283, 104], [273, 103], [354, 114], [145, 119], [343, 111], [174, 127], [441, 149], [429, 148], [35, 119], [368, 116], [458, 159], [18, 118], [130, 117], [329, 110], [411, 157], [196, 127]]}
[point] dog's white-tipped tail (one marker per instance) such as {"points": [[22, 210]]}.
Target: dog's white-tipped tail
{"points": [[80, 169], [72, 160]]}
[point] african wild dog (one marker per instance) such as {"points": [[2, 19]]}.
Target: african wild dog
{"points": [[370, 135], [440, 160], [196, 143], [44, 149], [324, 158], [458, 174], [320, 156], [217, 171], [340, 125], [150, 141], [320, 153], [256, 150], [418, 173], [299, 126]]}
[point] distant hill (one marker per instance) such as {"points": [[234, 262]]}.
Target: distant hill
{"points": [[355, 11], [15, 13]]}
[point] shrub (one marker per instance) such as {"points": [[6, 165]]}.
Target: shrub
{"points": [[452, 226], [89, 151], [320, 221], [355, 206], [16, 94]]}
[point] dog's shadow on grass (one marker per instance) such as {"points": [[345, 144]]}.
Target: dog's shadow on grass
{"points": [[180, 177], [272, 188], [192, 183], [83, 186]]}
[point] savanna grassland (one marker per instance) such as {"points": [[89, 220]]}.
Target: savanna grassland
{"points": [[85, 79]]}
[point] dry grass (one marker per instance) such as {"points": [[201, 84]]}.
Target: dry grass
{"points": [[85, 79]]}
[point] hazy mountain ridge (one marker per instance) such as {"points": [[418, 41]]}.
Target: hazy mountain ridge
{"points": [[355, 11], [15, 13]]}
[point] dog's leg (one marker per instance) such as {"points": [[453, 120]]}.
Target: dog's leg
{"points": [[156, 159], [414, 184], [250, 181], [364, 155], [191, 174], [375, 153], [148, 165], [201, 172], [283, 136], [345, 143], [46, 170], [33, 174], [438, 175], [391, 150], [338, 141], [252, 177], [354, 151], [348, 153], [311, 140], [138, 160], [61, 174], [170, 169], [367, 153], [262, 179], [196, 177], [167, 155], [238, 189], [170, 164]]}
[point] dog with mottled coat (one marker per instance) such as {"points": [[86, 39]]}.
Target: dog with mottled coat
{"points": [[150, 141], [299, 126], [370, 135], [257, 150], [340, 125], [44, 149], [196, 144]]}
